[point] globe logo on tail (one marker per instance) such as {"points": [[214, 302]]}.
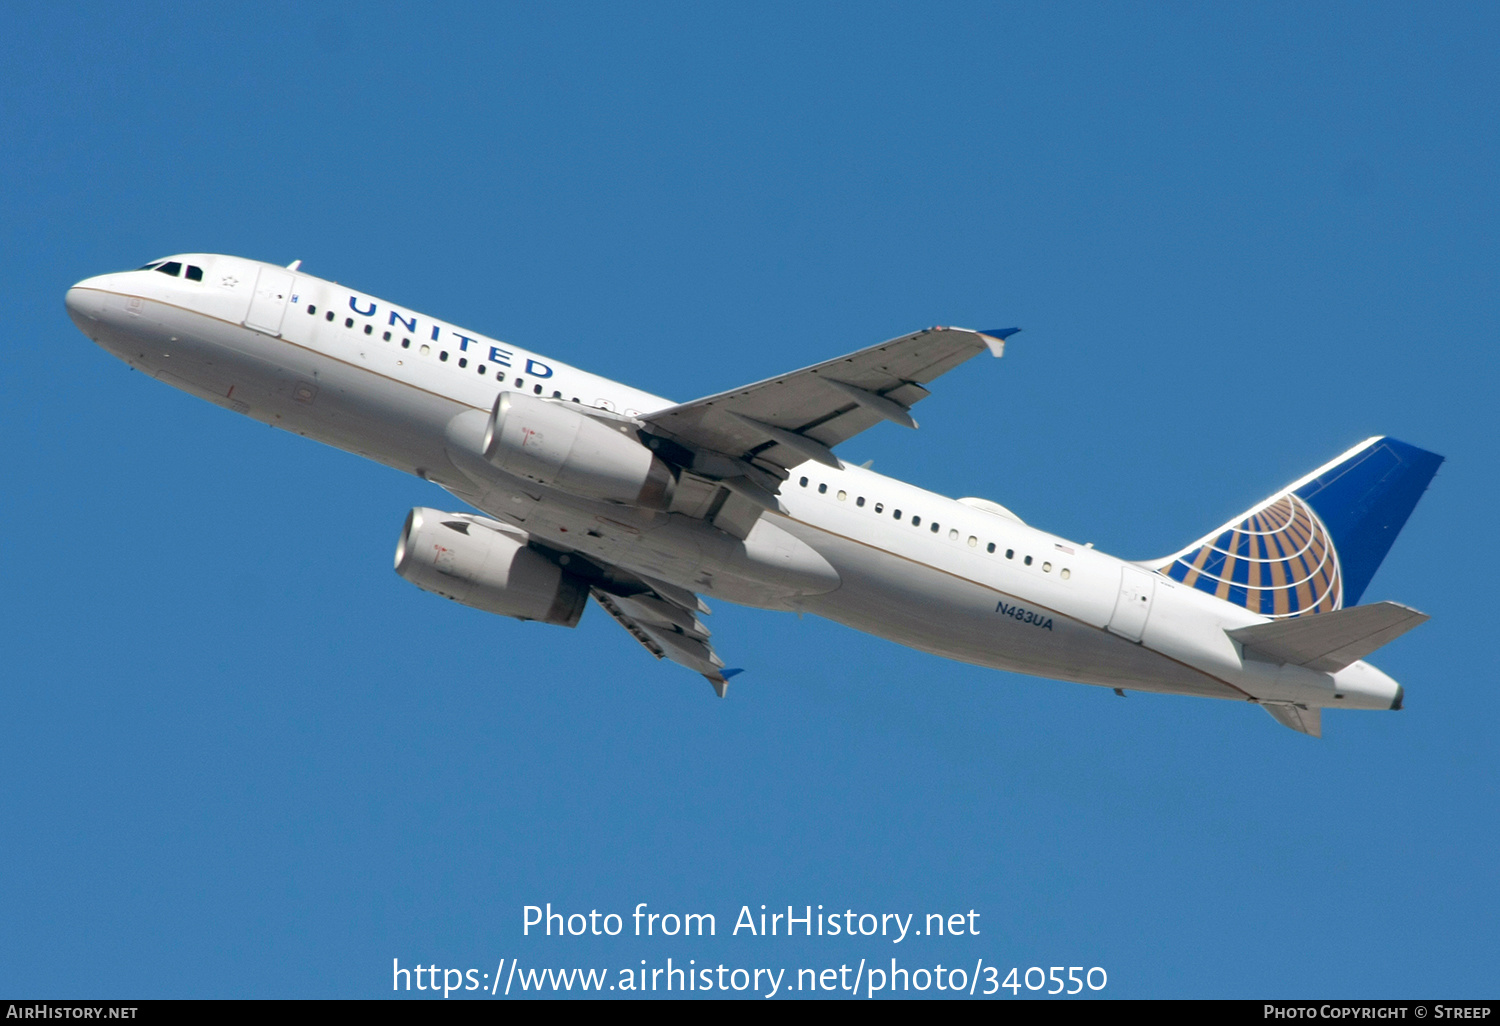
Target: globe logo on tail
{"points": [[1279, 561]]}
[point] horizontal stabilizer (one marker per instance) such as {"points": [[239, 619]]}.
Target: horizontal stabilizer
{"points": [[1329, 641], [1300, 719]]}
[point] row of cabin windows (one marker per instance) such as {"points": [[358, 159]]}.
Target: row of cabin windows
{"points": [[174, 268], [463, 361], [934, 527]]}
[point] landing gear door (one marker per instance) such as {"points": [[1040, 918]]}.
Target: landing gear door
{"points": [[268, 304], [1133, 606]]}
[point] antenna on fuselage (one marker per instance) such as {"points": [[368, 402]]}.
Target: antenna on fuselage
{"points": [[294, 265]]}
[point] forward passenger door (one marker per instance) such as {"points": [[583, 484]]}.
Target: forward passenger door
{"points": [[268, 303]]}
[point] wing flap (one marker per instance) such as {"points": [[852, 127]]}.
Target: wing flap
{"points": [[607, 603], [1330, 641]]}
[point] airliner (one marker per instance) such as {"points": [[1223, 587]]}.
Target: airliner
{"points": [[579, 488]]}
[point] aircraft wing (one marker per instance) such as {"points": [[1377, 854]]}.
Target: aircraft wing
{"points": [[749, 437], [662, 617], [666, 627]]}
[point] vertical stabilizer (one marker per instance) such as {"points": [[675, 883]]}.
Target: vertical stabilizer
{"points": [[1313, 546]]}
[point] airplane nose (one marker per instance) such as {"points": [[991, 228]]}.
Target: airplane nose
{"points": [[85, 303]]}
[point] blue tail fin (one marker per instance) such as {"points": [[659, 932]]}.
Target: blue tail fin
{"points": [[1314, 545]]}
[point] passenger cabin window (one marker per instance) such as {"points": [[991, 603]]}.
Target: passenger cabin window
{"points": [[803, 482], [916, 521], [822, 489], [311, 309], [171, 267]]}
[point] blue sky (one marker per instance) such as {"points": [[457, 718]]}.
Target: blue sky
{"points": [[244, 758]]}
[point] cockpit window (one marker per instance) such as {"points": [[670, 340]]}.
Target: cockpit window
{"points": [[171, 267], [151, 266], [194, 273]]}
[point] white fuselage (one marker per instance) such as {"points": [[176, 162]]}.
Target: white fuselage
{"points": [[947, 577]]}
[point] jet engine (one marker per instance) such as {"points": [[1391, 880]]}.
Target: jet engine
{"points": [[556, 446], [471, 560]]}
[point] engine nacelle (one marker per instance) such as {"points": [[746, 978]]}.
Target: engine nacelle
{"points": [[461, 557], [550, 444]]}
